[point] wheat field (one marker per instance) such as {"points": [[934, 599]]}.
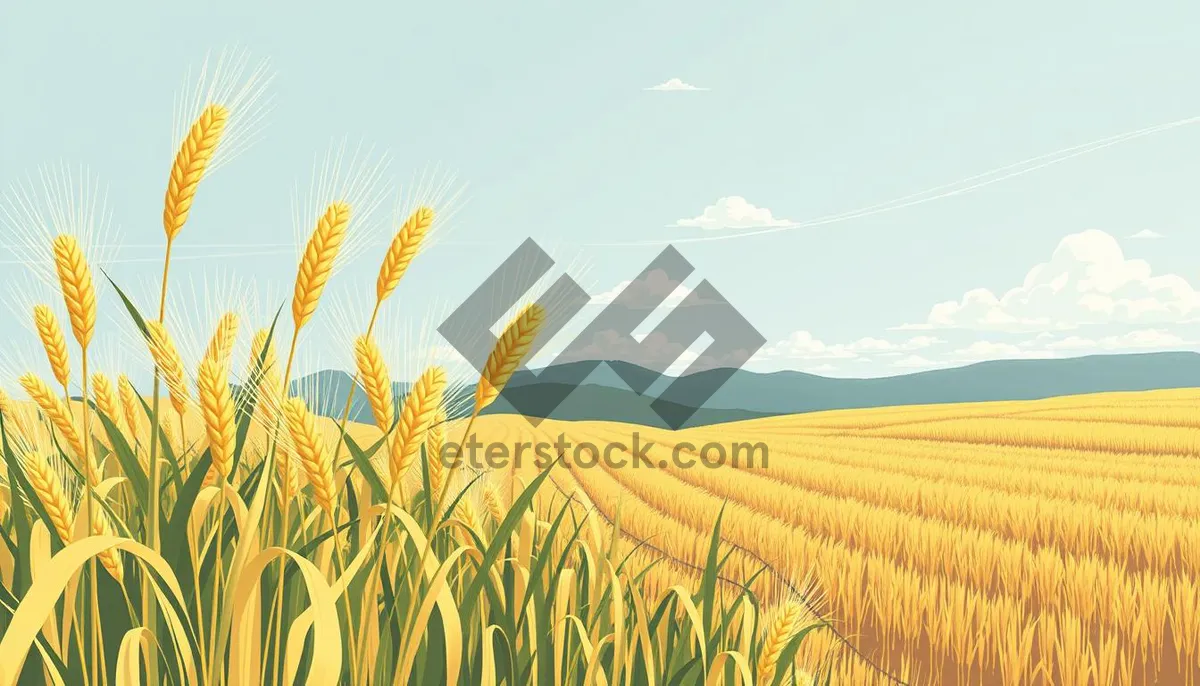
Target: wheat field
{"points": [[1040, 542]]}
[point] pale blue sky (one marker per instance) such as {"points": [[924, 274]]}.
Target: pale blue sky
{"points": [[809, 110]]}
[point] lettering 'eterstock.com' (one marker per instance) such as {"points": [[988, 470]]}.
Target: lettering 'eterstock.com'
{"points": [[636, 453]]}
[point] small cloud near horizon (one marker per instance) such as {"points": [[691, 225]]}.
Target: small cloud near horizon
{"points": [[1146, 234], [674, 85], [733, 212]]}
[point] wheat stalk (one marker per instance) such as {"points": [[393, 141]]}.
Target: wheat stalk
{"points": [[375, 378], [195, 152], [55, 343], [416, 415], [47, 486], [220, 346], [129, 404], [310, 448], [166, 357], [75, 277], [56, 410], [317, 262], [785, 626], [216, 404], [511, 348], [404, 247]]}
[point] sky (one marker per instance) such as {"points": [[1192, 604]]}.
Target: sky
{"points": [[878, 188]]}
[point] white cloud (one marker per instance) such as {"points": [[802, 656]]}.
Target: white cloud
{"points": [[1142, 339], [646, 292], [1146, 233], [993, 350], [733, 212], [802, 345], [674, 85], [913, 362], [1087, 281]]}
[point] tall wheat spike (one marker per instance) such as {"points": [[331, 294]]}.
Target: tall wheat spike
{"points": [[404, 247], [47, 486], [106, 396], [270, 389], [166, 357], [130, 405], [193, 157], [56, 410], [257, 346], [310, 448], [317, 262], [55, 343], [220, 346], [494, 502], [435, 442], [376, 381], [416, 415], [75, 277], [216, 404], [786, 624], [512, 347]]}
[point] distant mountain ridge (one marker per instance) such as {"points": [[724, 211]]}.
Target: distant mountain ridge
{"points": [[747, 394]]}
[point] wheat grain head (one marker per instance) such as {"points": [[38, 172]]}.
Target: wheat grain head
{"points": [[404, 247], [435, 441], [106, 396], [220, 347], [310, 449], [56, 410], [317, 262], [110, 559], [48, 487], [55, 343], [166, 357], [79, 293], [511, 348], [786, 624], [416, 415], [216, 404], [130, 405], [193, 157], [15, 425], [376, 382]]}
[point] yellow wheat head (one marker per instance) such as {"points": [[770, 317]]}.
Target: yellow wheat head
{"points": [[56, 410], [47, 486], [512, 347], [376, 382], [193, 157], [416, 415], [310, 448], [317, 262], [216, 404], [106, 397], [220, 346], [785, 626], [435, 441], [494, 502], [166, 357], [79, 293], [404, 247], [110, 559], [14, 423], [130, 405], [54, 342]]}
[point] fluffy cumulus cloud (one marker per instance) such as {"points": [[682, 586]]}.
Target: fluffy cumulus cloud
{"points": [[1087, 280], [733, 212], [1146, 234], [646, 293], [1142, 339], [675, 85]]}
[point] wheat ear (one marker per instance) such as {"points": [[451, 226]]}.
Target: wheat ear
{"points": [[404, 247], [129, 404], [220, 346], [166, 357], [435, 442], [416, 415], [376, 381], [106, 396], [512, 347], [109, 558], [47, 485], [56, 411], [269, 391], [78, 291], [216, 404], [195, 152], [310, 448], [54, 342], [786, 624], [317, 262], [494, 503]]}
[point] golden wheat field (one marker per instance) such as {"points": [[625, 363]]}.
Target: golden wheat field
{"points": [[1040, 542]]}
